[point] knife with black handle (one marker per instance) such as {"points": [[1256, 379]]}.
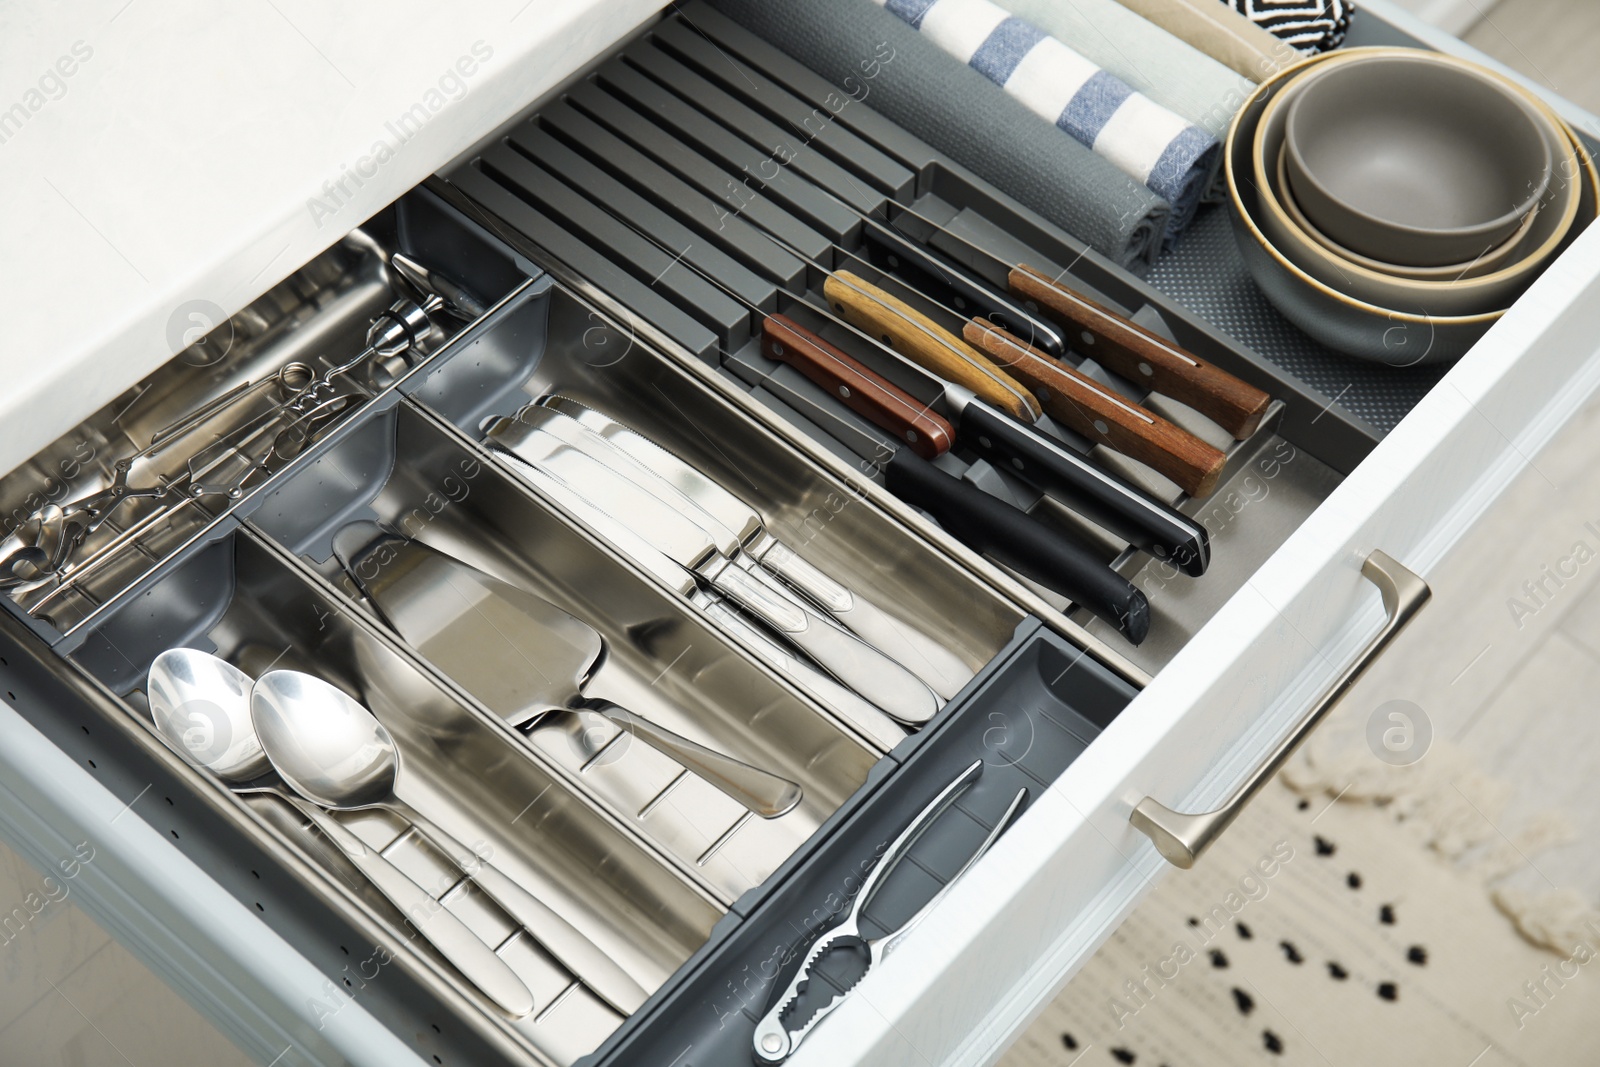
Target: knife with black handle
{"points": [[984, 523]]}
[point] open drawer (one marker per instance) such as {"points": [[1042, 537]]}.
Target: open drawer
{"points": [[700, 901]]}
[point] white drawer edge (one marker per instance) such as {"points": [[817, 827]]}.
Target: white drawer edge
{"points": [[1305, 613], [260, 992]]}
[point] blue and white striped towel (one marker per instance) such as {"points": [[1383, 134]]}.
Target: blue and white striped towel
{"points": [[1096, 108]]}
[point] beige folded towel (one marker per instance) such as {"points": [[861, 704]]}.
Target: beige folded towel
{"points": [[1221, 33]]}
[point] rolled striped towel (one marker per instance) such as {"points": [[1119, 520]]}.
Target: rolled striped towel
{"points": [[1173, 158], [1309, 25]]}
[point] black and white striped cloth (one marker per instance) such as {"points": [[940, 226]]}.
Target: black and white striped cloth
{"points": [[1309, 25]]}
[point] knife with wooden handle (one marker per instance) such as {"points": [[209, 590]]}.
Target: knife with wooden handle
{"points": [[1085, 406], [908, 331], [1143, 357], [1048, 465], [861, 389]]}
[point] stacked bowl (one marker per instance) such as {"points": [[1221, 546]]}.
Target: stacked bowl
{"points": [[1394, 202]]}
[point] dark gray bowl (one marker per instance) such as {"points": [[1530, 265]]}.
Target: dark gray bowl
{"points": [[1414, 163]]}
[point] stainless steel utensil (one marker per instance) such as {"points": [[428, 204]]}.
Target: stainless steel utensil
{"points": [[929, 660], [521, 655], [775, 1040], [819, 685], [335, 752], [201, 705], [863, 668]]}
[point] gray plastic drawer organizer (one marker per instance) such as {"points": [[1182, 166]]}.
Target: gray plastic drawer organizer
{"points": [[555, 249]]}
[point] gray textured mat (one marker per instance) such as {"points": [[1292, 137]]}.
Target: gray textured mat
{"points": [[1206, 274]]}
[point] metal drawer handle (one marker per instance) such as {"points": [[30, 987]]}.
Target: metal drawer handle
{"points": [[1183, 838]]}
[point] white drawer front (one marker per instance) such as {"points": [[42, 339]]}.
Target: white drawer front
{"points": [[1059, 882]]}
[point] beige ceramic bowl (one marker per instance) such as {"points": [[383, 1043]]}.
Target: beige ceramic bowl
{"points": [[1449, 296], [1356, 327]]}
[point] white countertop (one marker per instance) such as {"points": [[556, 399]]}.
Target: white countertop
{"points": [[159, 152]]}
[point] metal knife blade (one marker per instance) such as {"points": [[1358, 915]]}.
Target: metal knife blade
{"points": [[943, 671], [861, 667]]}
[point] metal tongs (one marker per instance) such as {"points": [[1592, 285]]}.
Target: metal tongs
{"points": [[775, 1041]]}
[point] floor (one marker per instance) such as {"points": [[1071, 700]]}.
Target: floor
{"points": [[1551, 41], [70, 996]]}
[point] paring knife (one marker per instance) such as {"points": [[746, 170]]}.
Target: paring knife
{"points": [[870, 673], [986, 358], [1072, 398], [1121, 345], [521, 655], [1050, 467], [821, 687], [929, 660], [984, 523]]}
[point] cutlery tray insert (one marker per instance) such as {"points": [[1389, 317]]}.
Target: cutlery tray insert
{"points": [[655, 869], [317, 318], [663, 662], [1033, 713], [252, 605]]}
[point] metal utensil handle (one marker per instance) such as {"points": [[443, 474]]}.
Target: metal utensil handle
{"points": [[560, 938], [1182, 838], [454, 940], [858, 665], [893, 941], [762, 792], [942, 670]]}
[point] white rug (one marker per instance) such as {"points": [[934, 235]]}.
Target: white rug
{"points": [[1362, 931]]}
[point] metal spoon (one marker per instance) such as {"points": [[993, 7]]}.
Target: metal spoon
{"points": [[201, 705], [333, 750], [35, 548]]}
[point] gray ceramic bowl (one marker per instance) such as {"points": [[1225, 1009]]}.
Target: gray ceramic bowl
{"points": [[1413, 162], [1352, 326], [1549, 222]]}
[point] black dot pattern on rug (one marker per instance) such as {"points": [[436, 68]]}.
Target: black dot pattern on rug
{"points": [[1386, 915], [1324, 846], [1389, 991], [1418, 955], [1244, 931], [1122, 1055], [1218, 960], [1243, 1001], [1304, 804], [1273, 1042], [1291, 953], [1069, 1041], [1336, 972], [1353, 880]]}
